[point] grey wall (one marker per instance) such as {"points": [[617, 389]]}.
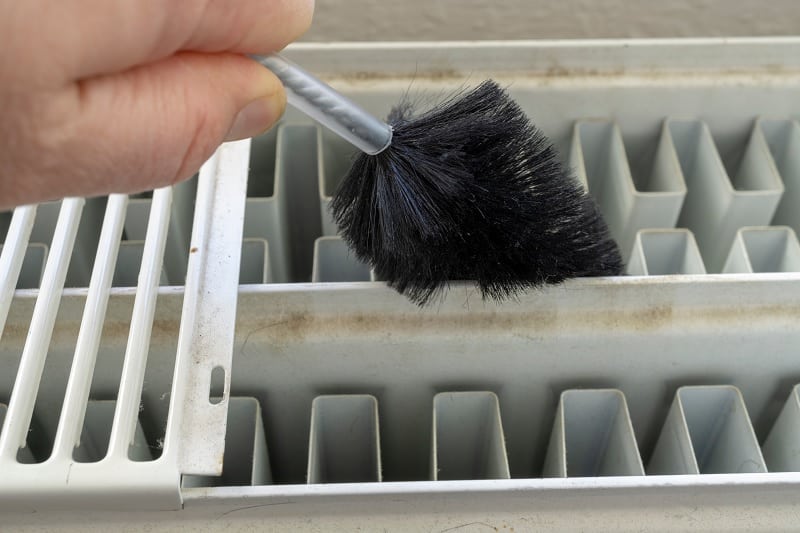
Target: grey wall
{"points": [[392, 20]]}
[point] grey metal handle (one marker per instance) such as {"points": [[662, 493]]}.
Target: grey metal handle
{"points": [[331, 109]]}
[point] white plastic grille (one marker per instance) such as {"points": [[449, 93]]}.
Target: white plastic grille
{"points": [[94, 450]]}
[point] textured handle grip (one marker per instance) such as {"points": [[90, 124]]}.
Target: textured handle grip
{"points": [[320, 102]]}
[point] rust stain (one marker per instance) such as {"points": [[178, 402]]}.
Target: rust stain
{"points": [[288, 322], [193, 249], [548, 73], [292, 327], [432, 75]]}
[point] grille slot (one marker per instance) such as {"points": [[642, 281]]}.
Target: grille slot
{"points": [[716, 206], [344, 442], [665, 252], [33, 261], [781, 445], [334, 262], [707, 431], [598, 154], [255, 267], [335, 158], [783, 139], [96, 433], [592, 436], [468, 439], [774, 249]]}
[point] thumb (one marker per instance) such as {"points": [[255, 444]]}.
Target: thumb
{"points": [[156, 124]]}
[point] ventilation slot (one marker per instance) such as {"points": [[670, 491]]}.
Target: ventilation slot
{"points": [[266, 209], [33, 261], [335, 158], [718, 205], [333, 261], [707, 431], [654, 200], [759, 250], [96, 434], [592, 436], [283, 188], [254, 268], [783, 139], [665, 252], [468, 440], [344, 443], [782, 445]]}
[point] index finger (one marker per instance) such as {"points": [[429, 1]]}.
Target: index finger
{"points": [[84, 38]]}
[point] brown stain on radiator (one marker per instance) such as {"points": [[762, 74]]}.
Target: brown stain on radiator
{"points": [[290, 322], [299, 326], [554, 74]]}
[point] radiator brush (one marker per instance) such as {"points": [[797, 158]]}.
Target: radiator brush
{"points": [[469, 190]]}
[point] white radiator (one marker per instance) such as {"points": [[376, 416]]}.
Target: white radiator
{"points": [[211, 355]]}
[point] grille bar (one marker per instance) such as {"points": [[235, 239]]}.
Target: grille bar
{"points": [[136, 350], [206, 333], [178, 233], [24, 455], [80, 376], [26, 386], [12, 257]]}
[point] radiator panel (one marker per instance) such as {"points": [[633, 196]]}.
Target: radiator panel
{"points": [[679, 378]]}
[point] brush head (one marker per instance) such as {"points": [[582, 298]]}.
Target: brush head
{"points": [[472, 191]]}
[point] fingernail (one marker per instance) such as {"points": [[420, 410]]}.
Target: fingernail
{"points": [[257, 117]]}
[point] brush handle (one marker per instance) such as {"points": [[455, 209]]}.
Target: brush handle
{"points": [[331, 109]]}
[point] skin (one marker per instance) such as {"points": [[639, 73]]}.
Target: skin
{"points": [[102, 96]]}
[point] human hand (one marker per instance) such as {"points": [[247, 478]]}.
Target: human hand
{"points": [[100, 96]]}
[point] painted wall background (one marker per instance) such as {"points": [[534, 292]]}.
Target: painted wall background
{"points": [[416, 20]]}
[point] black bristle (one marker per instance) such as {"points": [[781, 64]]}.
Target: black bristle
{"points": [[471, 190]]}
